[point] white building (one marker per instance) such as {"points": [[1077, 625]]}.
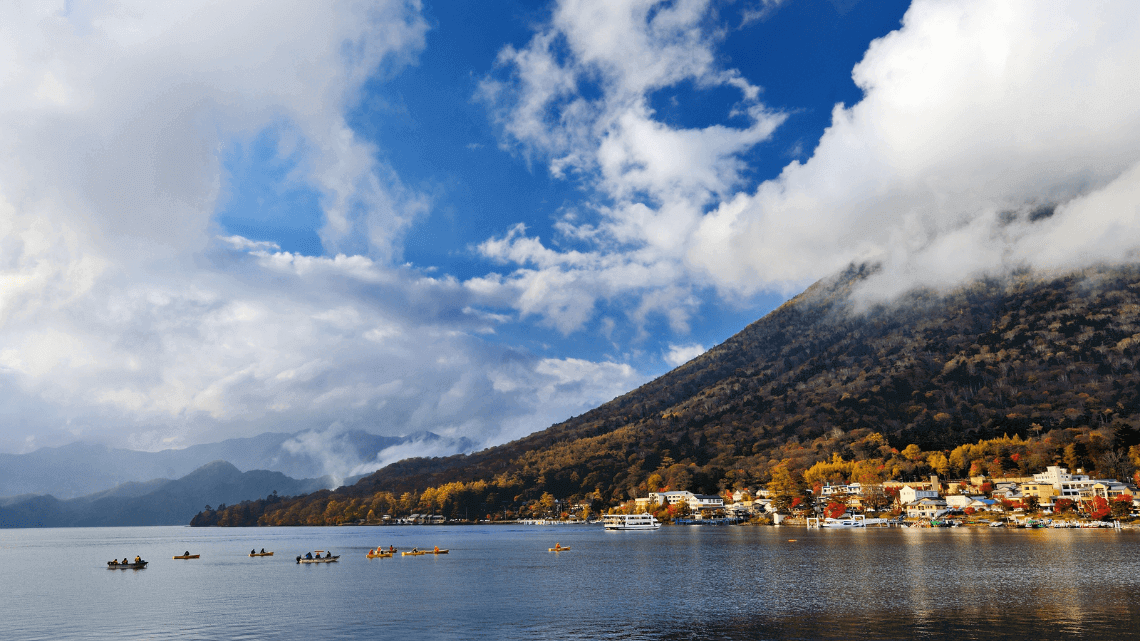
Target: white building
{"points": [[961, 501], [926, 508], [909, 495]]}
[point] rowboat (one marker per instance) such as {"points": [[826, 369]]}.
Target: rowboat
{"points": [[558, 548], [261, 554], [115, 565], [188, 556], [324, 560]]}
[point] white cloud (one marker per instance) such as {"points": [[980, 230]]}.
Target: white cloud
{"points": [[125, 318], [680, 354], [975, 114], [652, 180]]}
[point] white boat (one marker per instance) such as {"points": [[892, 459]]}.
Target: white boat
{"points": [[855, 521], [642, 521]]}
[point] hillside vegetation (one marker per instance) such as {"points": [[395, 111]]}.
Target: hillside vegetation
{"points": [[1048, 360]]}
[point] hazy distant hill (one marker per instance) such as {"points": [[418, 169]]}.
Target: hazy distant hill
{"points": [[157, 502], [79, 469]]}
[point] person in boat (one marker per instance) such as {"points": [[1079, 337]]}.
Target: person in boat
{"points": [[391, 549], [125, 561], [138, 559], [114, 562], [328, 555], [414, 550], [436, 549], [253, 551], [263, 550], [309, 556], [186, 553]]}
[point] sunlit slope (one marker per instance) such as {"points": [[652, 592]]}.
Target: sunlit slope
{"points": [[1019, 356]]}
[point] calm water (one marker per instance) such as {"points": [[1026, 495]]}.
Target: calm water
{"points": [[499, 582]]}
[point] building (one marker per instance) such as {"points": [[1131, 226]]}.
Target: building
{"points": [[961, 501], [926, 508], [908, 494], [698, 503]]}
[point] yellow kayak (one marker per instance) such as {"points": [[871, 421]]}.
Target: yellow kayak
{"points": [[413, 553], [423, 552], [381, 555], [261, 554], [188, 556], [558, 548]]}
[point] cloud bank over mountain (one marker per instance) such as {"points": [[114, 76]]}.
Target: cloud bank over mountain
{"points": [[990, 136], [976, 117]]}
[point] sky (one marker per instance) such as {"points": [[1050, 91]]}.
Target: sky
{"points": [[479, 219]]}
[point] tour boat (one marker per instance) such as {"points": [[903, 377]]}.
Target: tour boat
{"points": [[643, 521]]}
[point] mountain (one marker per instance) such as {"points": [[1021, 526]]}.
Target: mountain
{"points": [[156, 502], [79, 469], [1047, 357]]}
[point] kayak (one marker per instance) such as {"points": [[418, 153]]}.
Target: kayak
{"points": [[413, 553], [558, 549], [188, 556], [423, 552], [261, 554], [382, 555], [332, 560], [113, 565]]}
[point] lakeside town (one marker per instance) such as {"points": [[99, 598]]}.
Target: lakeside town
{"points": [[1053, 498]]}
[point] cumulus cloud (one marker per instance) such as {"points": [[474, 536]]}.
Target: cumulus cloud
{"points": [[976, 114], [652, 179], [977, 117], [126, 317], [680, 354]]}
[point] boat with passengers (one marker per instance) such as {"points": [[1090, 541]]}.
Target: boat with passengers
{"points": [[643, 521]]}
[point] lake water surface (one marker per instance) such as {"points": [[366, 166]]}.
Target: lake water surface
{"points": [[499, 582]]}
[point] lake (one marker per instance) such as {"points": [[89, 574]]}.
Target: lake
{"points": [[500, 582]]}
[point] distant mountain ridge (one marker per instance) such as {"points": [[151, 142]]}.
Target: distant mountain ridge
{"points": [[156, 502], [80, 469]]}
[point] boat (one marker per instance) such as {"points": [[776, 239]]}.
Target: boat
{"points": [[558, 548], [379, 555], [423, 552], [643, 521], [318, 558], [188, 556], [856, 521], [261, 554], [115, 565]]}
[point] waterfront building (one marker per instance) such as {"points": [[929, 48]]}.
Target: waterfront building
{"points": [[926, 508], [908, 494]]}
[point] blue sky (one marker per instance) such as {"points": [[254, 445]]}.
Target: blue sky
{"points": [[224, 218], [429, 125]]}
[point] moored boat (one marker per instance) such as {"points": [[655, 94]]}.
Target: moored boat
{"points": [[643, 521]]}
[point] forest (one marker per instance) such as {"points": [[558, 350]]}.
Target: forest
{"points": [[1000, 376]]}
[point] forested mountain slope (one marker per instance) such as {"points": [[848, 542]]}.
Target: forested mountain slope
{"points": [[1024, 356]]}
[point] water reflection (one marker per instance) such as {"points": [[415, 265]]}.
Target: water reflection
{"points": [[500, 583]]}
